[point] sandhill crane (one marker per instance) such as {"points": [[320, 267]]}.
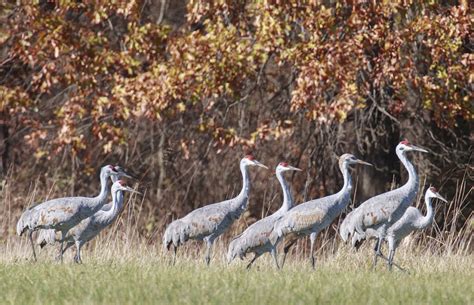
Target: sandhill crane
{"points": [[90, 227], [210, 221], [255, 238], [382, 211], [411, 220], [347, 229], [62, 214], [311, 217], [50, 236]]}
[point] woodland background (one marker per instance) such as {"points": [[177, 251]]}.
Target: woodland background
{"points": [[178, 91]]}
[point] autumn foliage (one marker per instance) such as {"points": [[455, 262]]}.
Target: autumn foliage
{"points": [[86, 82]]}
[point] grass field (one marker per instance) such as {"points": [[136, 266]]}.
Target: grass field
{"points": [[142, 275], [122, 267]]}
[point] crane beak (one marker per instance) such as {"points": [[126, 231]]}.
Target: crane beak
{"points": [[363, 162], [293, 168], [129, 189], [129, 176], [259, 164], [441, 198], [416, 148], [120, 172]]}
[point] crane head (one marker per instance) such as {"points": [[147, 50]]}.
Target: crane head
{"points": [[405, 146], [431, 192], [123, 173], [120, 185], [249, 160], [108, 170], [283, 166], [351, 159]]}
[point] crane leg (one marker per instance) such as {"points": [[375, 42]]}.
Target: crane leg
{"points": [[312, 239], [393, 263], [77, 257], [357, 244], [175, 250], [377, 253], [209, 243], [63, 237], [68, 245], [376, 245], [60, 255], [286, 249], [253, 260], [275, 257], [30, 237], [390, 258]]}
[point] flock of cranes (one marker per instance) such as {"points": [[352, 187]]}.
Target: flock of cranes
{"points": [[385, 217]]}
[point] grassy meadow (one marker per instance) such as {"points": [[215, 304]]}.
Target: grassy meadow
{"points": [[141, 274], [123, 267]]}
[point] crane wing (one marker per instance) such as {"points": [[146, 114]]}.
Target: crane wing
{"points": [[257, 234], [206, 220], [304, 220], [405, 225], [58, 212]]}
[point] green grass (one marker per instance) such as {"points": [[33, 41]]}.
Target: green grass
{"points": [[141, 276]]}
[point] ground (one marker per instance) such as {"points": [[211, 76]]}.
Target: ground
{"points": [[142, 275]]}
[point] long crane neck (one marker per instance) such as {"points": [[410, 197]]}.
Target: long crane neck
{"points": [[344, 195], [245, 181], [118, 194], [104, 189], [107, 216], [413, 180], [287, 198], [428, 218], [117, 202], [240, 202], [347, 187]]}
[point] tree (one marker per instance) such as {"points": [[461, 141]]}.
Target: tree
{"points": [[97, 80]]}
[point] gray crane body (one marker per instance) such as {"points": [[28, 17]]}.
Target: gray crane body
{"points": [[405, 225], [377, 214], [412, 220], [62, 214], [103, 216], [50, 236], [382, 211], [90, 227], [310, 218], [210, 221], [255, 239]]}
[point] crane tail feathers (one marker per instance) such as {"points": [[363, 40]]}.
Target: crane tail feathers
{"points": [[235, 249], [22, 224], [177, 233]]}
